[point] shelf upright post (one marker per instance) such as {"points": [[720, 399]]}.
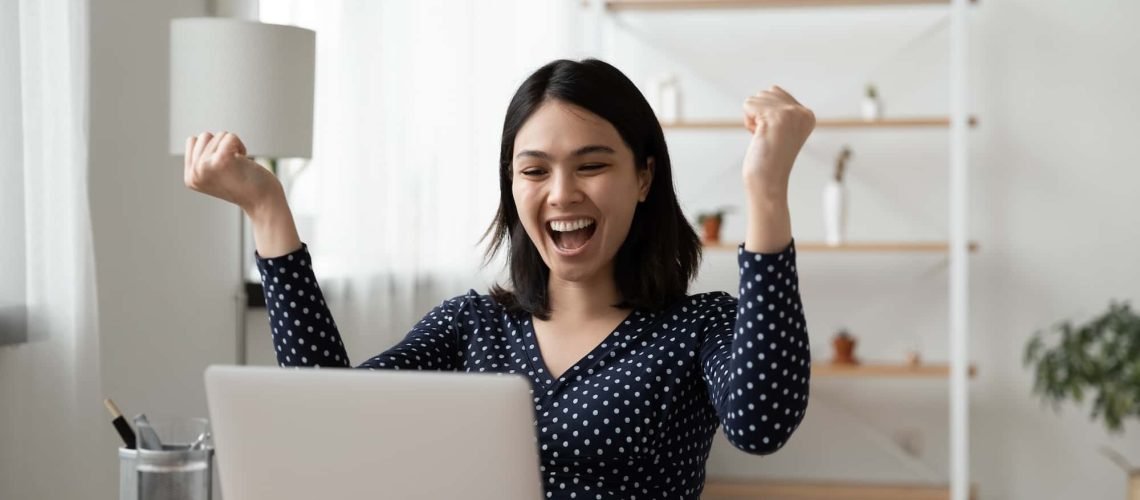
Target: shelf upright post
{"points": [[959, 256]]}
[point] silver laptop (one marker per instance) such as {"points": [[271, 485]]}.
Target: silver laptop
{"points": [[284, 434]]}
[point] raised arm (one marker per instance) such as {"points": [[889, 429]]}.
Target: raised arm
{"points": [[756, 354], [779, 125], [216, 165], [304, 332]]}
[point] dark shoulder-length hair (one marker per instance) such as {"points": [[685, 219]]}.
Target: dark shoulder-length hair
{"points": [[661, 253]]}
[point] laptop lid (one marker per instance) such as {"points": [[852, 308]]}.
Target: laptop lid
{"points": [[283, 434]]}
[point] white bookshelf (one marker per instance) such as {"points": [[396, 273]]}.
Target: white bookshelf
{"points": [[957, 247]]}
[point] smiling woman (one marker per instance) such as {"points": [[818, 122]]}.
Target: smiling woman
{"points": [[581, 146], [630, 375]]}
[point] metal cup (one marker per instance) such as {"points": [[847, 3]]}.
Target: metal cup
{"points": [[181, 470]]}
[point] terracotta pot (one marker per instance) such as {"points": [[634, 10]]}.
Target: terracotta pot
{"points": [[711, 229], [844, 349]]}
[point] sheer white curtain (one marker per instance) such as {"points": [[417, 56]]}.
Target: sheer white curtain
{"points": [[49, 385], [410, 101]]}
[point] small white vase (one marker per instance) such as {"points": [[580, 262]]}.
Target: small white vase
{"points": [[872, 109], [668, 99], [834, 212]]}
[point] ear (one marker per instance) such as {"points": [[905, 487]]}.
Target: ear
{"points": [[645, 179]]}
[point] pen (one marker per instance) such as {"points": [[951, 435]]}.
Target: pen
{"points": [[121, 424]]}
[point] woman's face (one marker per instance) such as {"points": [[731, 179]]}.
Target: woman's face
{"points": [[576, 187]]}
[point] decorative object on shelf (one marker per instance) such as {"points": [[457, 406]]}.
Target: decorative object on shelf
{"points": [[667, 98], [710, 224], [872, 107], [913, 359], [844, 344], [835, 202], [1102, 355]]}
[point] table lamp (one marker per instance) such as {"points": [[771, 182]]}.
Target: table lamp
{"points": [[250, 78]]}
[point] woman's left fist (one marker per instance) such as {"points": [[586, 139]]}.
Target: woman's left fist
{"points": [[780, 125]]}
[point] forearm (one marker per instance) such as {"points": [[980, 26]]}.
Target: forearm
{"points": [[304, 332], [769, 228], [772, 355], [758, 364], [274, 231]]}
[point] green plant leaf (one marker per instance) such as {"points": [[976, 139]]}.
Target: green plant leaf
{"points": [[1100, 357]]}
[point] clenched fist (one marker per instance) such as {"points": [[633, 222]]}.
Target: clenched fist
{"points": [[780, 125], [216, 165]]}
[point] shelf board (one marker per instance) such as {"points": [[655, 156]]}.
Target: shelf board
{"points": [[912, 122], [861, 247], [740, 489], [754, 4], [884, 370]]}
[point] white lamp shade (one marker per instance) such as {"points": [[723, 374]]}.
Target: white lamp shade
{"points": [[249, 78]]}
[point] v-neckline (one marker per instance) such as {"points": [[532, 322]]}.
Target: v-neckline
{"points": [[542, 372]]}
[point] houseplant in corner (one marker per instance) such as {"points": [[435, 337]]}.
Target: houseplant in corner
{"points": [[1101, 359]]}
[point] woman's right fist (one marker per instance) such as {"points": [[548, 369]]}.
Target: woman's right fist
{"points": [[216, 165]]}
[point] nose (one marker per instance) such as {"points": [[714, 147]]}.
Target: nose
{"points": [[564, 191]]}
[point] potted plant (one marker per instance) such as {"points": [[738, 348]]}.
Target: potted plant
{"points": [[1101, 359], [710, 223], [835, 202], [872, 107], [844, 345]]}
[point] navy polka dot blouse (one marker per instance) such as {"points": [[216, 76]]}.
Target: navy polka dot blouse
{"points": [[634, 418]]}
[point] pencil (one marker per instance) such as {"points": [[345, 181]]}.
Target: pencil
{"points": [[121, 425]]}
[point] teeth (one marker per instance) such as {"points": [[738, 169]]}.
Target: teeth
{"points": [[563, 226]]}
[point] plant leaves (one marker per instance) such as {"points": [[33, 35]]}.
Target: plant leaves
{"points": [[1100, 357]]}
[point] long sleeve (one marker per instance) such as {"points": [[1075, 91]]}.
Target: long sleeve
{"points": [[755, 357], [305, 333]]}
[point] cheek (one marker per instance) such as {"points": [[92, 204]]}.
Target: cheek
{"points": [[618, 202], [525, 204]]}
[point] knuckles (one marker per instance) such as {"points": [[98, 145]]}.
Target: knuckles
{"points": [[793, 114]]}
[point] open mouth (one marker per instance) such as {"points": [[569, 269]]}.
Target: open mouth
{"points": [[571, 235]]}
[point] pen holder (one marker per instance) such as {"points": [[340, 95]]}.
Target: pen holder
{"points": [[183, 469]]}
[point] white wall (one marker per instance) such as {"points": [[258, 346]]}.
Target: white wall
{"points": [[166, 268], [166, 258], [1053, 208]]}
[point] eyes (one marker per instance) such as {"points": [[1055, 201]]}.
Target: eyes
{"points": [[537, 172]]}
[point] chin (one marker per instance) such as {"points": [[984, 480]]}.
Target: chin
{"points": [[574, 273]]}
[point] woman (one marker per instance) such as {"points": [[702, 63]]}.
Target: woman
{"points": [[630, 375]]}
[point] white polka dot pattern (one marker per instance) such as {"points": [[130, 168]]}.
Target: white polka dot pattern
{"points": [[634, 418]]}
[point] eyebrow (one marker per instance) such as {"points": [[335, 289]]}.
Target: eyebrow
{"points": [[582, 151]]}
